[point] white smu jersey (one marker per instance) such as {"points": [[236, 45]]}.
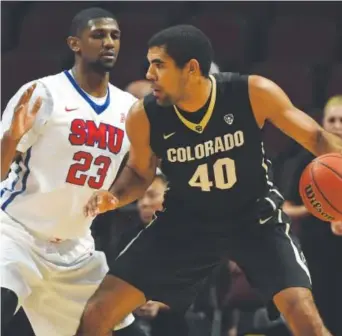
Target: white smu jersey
{"points": [[75, 147]]}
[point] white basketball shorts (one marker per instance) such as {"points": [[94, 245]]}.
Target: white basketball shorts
{"points": [[53, 281]]}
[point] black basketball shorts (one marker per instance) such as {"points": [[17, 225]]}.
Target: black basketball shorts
{"points": [[169, 259]]}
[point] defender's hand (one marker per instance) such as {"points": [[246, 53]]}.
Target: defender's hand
{"points": [[23, 119], [101, 201]]}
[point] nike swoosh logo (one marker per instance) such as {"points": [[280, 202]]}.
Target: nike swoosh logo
{"points": [[71, 109], [166, 136], [263, 221]]}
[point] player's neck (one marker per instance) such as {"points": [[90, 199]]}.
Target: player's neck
{"points": [[197, 96], [93, 83]]}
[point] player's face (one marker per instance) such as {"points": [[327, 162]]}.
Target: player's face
{"points": [[168, 80], [100, 44], [332, 121], [152, 200]]}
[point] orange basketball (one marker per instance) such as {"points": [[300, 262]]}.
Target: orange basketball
{"points": [[320, 187]]}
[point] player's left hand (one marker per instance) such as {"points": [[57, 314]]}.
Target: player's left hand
{"points": [[101, 201], [336, 228]]}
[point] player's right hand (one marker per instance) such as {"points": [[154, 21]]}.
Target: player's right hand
{"points": [[23, 119], [101, 201]]}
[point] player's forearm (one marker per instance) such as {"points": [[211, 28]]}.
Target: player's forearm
{"points": [[8, 152], [295, 211], [131, 186], [327, 143]]}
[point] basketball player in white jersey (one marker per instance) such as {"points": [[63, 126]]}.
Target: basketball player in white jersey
{"points": [[66, 138]]}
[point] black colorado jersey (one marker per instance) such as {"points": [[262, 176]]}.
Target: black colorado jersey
{"points": [[216, 167]]}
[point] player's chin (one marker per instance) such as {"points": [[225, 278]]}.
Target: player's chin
{"points": [[108, 65], [338, 133], [146, 217]]}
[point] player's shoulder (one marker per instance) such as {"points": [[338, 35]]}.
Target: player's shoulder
{"points": [[262, 84], [229, 77], [43, 87], [136, 116], [51, 79], [231, 83], [44, 84], [122, 96], [137, 110]]}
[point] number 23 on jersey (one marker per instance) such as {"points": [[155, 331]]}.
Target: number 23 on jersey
{"points": [[103, 136], [77, 172]]}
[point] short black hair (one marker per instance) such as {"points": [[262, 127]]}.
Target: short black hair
{"points": [[183, 43], [82, 18]]}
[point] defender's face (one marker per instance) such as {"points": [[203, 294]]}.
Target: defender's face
{"points": [[100, 43], [332, 121], [168, 81], [152, 200]]}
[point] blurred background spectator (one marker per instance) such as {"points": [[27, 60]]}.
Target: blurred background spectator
{"points": [[296, 44], [139, 88]]}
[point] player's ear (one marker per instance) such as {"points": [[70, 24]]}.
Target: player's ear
{"points": [[193, 67], [74, 43]]}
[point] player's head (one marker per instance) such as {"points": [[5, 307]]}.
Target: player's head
{"points": [[332, 119], [95, 38], [153, 199], [178, 56]]}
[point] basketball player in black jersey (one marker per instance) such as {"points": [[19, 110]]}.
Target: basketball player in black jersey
{"points": [[222, 201]]}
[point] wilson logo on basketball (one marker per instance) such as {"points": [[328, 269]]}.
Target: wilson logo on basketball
{"points": [[310, 194]]}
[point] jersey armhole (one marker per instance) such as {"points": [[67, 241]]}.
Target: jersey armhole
{"points": [[248, 99]]}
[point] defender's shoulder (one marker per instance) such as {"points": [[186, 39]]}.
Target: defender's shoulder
{"points": [[53, 80]]}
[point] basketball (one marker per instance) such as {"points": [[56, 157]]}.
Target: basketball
{"points": [[320, 187]]}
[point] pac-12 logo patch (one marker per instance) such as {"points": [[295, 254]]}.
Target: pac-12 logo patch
{"points": [[228, 118]]}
